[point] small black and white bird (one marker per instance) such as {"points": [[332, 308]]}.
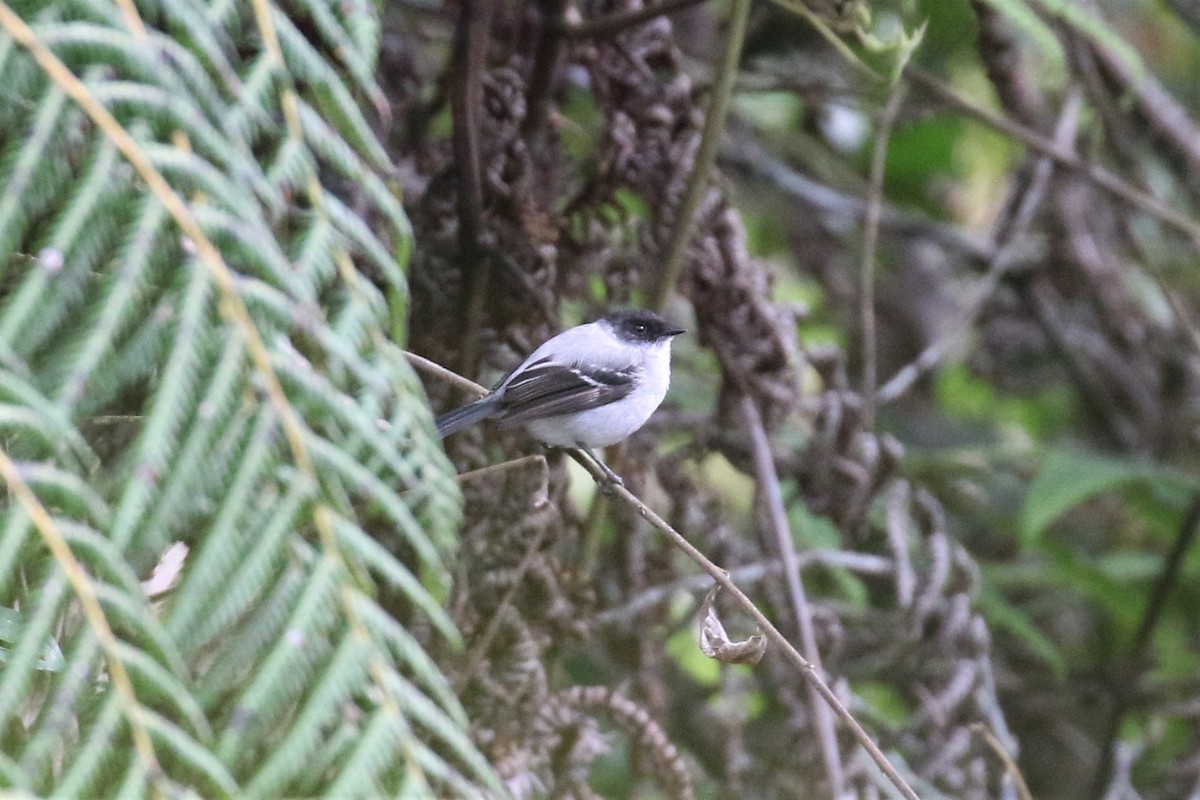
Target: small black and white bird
{"points": [[590, 386]]}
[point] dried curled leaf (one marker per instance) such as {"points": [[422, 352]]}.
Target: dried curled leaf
{"points": [[715, 643]]}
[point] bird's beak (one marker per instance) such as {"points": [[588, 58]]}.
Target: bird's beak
{"points": [[674, 331]]}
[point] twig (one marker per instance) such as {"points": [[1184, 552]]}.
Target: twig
{"points": [[772, 497], [1096, 388], [800, 9], [435, 369], [503, 466], [590, 463], [1067, 158], [1010, 766], [1189, 526], [615, 23], [710, 138], [1185, 537], [870, 241]]}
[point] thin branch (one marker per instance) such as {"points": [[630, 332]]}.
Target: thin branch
{"points": [[772, 497], [610, 24], [1035, 141], [470, 50], [870, 242], [466, 385], [1162, 112], [1010, 766], [545, 65], [591, 463], [827, 33], [710, 138], [505, 466], [1185, 536]]}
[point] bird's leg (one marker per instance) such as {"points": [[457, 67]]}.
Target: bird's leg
{"points": [[611, 478]]}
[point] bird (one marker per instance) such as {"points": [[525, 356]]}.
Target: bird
{"points": [[590, 386]]}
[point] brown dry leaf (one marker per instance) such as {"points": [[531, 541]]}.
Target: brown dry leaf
{"points": [[715, 643]]}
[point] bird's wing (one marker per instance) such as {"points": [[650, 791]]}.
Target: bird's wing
{"points": [[547, 389]]}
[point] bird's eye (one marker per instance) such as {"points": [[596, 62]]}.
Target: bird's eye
{"points": [[640, 327]]}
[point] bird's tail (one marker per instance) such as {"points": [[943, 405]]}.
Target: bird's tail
{"points": [[466, 416]]}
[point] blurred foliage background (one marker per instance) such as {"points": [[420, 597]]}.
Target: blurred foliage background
{"points": [[937, 260]]}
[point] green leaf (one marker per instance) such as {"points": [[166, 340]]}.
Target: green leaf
{"points": [[1069, 478]]}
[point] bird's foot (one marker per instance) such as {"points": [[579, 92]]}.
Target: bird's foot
{"points": [[610, 479]]}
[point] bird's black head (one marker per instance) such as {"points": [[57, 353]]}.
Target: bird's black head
{"points": [[640, 326]]}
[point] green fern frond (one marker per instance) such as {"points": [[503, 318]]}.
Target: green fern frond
{"points": [[247, 582], [359, 63], [207, 774], [80, 776], [346, 668], [140, 408]]}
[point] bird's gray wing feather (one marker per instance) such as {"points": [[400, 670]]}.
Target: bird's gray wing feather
{"points": [[547, 389]]}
